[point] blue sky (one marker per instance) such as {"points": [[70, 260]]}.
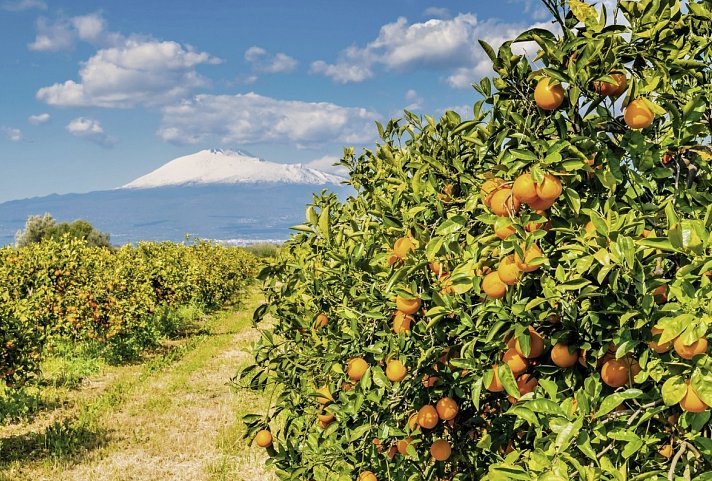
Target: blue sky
{"points": [[95, 94]]}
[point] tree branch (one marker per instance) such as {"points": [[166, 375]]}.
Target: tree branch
{"points": [[678, 455]]}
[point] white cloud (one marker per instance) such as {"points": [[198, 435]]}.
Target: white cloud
{"points": [[21, 5], [251, 118], [89, 28], [52, 37], [264, 62], [440, 44], [139, 72], [39, 118], [90, 129], [12, 134], [415, 100], [436, 12], [326, 164]]}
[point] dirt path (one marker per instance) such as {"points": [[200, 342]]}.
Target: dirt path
{"points": [[174, 419]]}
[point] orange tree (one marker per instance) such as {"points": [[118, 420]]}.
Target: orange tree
{"points": [[524, 295]]}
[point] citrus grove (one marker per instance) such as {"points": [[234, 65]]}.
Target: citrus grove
{"points": [[66, 290], [523, 295]]}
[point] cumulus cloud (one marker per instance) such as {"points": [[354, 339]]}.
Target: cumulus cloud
{"points": [[21, 5], [52, 36], [63, 33], [39, 118], [326, 164], [91, 130], [138, 72], [436, 12], [251, 118], [440, 44], [12, 134], [264, 62]]}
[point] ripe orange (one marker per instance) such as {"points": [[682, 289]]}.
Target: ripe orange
{"points": [[692, 402], [638, 115], [441, 450], [322, 320], [655, 346], [496, 384], [541, 204], [508, 272], [665, 451], [395, 371], [413, 422], [517, 363], [367, 476], [263, 438], [401, 322], [447, 408], [408, 306], [562, 356], [437, 269], [503, 203], [688, 352], [615, 372], [536, 345], [356, 368], [393, 259], [325, 417], [547, 96], [524, 188], [504, 232], [489, 187], [403, 444], [529, 254], [428, 417], [323, 395], [526, 384], [611, 89], [660, 294], [493, 287], [429, 381], [403, 246], [534, 226], [549, 189]]}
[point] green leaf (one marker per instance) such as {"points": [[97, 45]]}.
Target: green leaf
{"points": [[674, 390], [614, 400]]}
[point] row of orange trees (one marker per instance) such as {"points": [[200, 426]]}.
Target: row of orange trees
{"points": [[522, 295], [68, 290]]}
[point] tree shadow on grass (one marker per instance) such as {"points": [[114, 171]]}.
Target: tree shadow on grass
{"points": [[21, 404], [65, 439]]}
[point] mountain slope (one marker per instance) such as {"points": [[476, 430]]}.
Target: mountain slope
{"points": [[217, 166]]}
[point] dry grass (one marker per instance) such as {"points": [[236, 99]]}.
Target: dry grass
{"points": [[178, 422]]}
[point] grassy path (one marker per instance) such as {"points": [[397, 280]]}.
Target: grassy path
{"points": [[173, 418]]}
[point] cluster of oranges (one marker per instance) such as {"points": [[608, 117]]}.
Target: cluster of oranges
{"points": [[637, 115], [504, 199]]}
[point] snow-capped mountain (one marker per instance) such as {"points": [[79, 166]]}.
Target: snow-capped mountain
{"points": [[216, 166]]}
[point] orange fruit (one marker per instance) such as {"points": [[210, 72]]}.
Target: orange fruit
{"points": [[665, 451], [263, 438], [346, 386], [403, 444], [547, 96], [367, 476], [638, 115], [447, 409], [392, 259], [437, 269], [526, 383], [524, 188], [529, 254], [503, 203], [489, 187], [326, 417], [356, 368], [611, 89], [655, 346], [407, 306], [549, 189], [534, 226], [562, 356], [322, 320], [541, 204], [504, 232], [429, 381], [428, 417], [508, 272], [493, 287], [688, 352], [440, 450], [517, 363], [692, 402], [536, 345], [660, 294], [615, 372], [323, 395], [395, 371], [496, 384], [413, 422], [401, 322], [403, 246]]}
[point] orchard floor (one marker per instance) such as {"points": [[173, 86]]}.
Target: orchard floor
{"points": [[174, 417]]}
